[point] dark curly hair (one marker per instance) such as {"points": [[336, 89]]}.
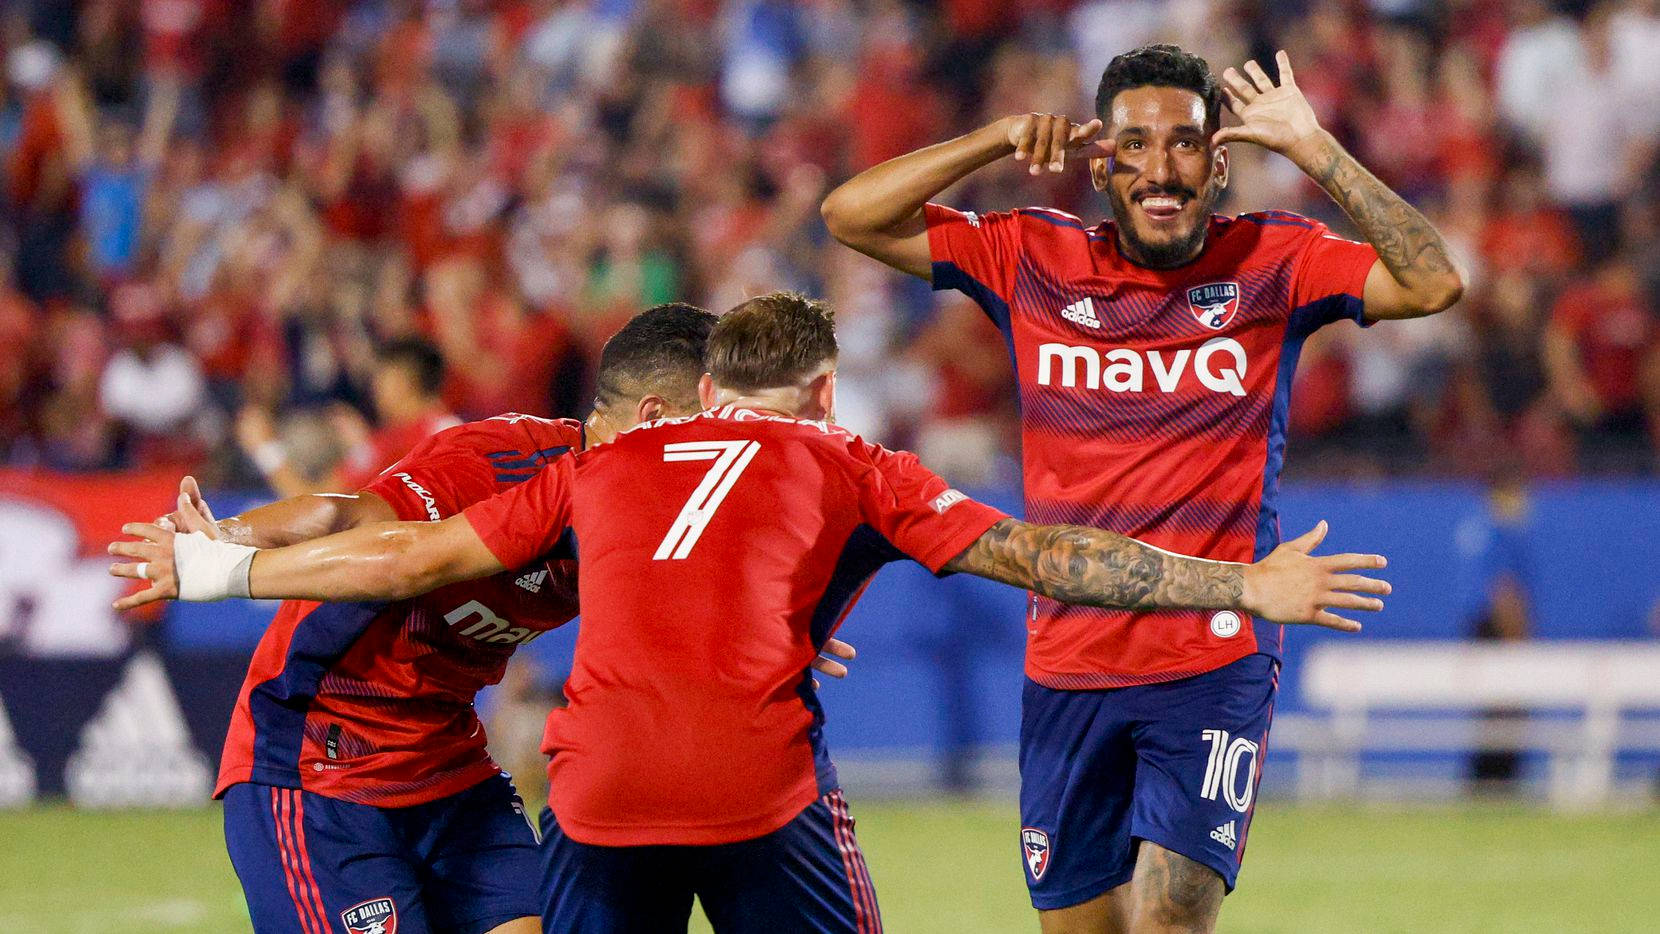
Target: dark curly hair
{"points": [[1162, 66]]}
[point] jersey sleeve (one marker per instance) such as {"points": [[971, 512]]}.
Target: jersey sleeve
{"points": [[527, 521], [975, 254], [1329, 279], [442, 476], [917, 511]]}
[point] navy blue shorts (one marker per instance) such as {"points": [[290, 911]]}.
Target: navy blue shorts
{"points": [[1176, 763], [808, 877], [314, 865]]}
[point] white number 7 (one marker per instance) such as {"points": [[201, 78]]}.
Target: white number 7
{"points": [[730, 457]]}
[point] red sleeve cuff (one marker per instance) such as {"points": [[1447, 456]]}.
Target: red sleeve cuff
{"points": [[403, 499], [976, 518]]}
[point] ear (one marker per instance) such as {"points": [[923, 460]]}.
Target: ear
{"points": [[824, 396], [1219, 166], [1100, 171], [650, 408], [706, 391]]}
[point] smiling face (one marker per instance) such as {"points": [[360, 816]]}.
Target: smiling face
{"points": [[1166, 177]]}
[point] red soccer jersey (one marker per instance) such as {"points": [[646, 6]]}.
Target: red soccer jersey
{"points": [[1153, 404], [373, 702], [719, 552]]}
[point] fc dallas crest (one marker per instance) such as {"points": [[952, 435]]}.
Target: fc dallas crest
{"points": [[375, 916], [1214, 304], [1035, 843]]}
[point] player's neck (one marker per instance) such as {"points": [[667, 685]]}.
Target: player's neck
{"points": [[787, 401]]}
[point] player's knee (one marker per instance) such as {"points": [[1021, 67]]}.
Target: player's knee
{"points": [[1173, 893], [1105, 914]]}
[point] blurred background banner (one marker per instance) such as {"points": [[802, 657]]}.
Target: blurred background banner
{"points": [[55, 587]]}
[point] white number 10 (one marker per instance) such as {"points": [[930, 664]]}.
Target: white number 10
{"points": [[730, 458], [1223, 766]]}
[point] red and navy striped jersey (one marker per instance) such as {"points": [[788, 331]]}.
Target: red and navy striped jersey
{"points": [[719, 552], [373, 702], [1153, 404]]}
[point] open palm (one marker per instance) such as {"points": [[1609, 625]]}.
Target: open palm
{"points": [[1274, 117]]}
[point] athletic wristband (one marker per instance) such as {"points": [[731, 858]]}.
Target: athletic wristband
{"points": [[269, 457], [210, 570]]}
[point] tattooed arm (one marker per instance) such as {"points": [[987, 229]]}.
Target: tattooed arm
{"points": [[1094, 567], [1414, 275]]}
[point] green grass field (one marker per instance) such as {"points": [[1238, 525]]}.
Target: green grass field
{"points": [[954, 867]]}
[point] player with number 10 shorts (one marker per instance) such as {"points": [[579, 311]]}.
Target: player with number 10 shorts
{"points": [[1154, 354]]}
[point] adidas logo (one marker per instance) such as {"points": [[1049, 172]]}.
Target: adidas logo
{"points": [[1082, 312], [137, 749], [533, 581], [1225, 835]]}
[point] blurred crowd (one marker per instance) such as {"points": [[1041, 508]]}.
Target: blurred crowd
{"points": [[233, 231]]}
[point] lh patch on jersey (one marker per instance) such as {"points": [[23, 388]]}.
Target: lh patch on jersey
{"points": [[1035, 843], [375, 916], [1214, 304]]}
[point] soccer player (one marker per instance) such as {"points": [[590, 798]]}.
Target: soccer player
{"points": [[1154, 354], [355, 775], [691, 758]]}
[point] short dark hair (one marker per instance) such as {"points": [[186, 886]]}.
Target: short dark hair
{"points": [[423, 359], [658, 352], [1160, 66], [772, 340]]}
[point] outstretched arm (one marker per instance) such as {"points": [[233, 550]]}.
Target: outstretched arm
{"points": [[381, 561], [1414, 275], [284, 522], [1094, 567], [879, 211]]}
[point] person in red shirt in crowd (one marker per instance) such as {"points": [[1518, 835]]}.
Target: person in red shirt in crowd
{"points": [[1602, 357], [1526, 232], [406, 389], [691, 760]]}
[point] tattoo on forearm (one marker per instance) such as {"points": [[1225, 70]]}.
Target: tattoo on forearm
{"points": [[1406, 241], [1094, 567]]}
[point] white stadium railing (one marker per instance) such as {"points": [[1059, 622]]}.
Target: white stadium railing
{"points": [[1419, 697]]}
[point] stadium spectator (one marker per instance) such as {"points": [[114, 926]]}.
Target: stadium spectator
{"points": [[406, 393], [510, 178]]}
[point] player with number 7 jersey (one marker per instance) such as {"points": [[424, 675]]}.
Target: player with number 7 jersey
{"points": [[718, 552]]}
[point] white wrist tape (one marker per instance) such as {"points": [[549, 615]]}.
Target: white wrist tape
{"points": [[210, 570]]}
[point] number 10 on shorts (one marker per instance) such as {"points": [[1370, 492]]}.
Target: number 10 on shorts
{"points": [[1224, 767]]}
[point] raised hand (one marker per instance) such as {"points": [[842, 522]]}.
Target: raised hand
{"points": [[191, 513], [1273, 117], [1046, 139], [154, 551], [1293, 586]]}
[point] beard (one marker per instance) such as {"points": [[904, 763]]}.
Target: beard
{"points": [[1177, 250]]}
